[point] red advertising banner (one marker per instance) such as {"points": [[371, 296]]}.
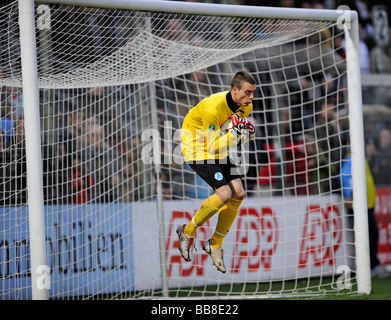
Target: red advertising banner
{"points": [[383, 217], [268, 240]]}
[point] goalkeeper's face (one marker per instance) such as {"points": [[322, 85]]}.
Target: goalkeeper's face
{"points": [[245, 95]]}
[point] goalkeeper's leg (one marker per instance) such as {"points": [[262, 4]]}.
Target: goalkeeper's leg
{"points": [[221, 200], [213, 175], [186, 232], [227, 198], [226, 217]]}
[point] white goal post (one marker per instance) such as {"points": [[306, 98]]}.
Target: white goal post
{"points": [[122, 74]]}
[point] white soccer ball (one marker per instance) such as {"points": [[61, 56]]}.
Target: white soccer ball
{"points": [[226, 126]]}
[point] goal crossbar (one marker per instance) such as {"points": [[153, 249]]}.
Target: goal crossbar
{"points": [[207, 9]]}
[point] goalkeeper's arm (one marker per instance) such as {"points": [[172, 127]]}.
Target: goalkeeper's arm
{"points": [[235, 136], [242, 128]]}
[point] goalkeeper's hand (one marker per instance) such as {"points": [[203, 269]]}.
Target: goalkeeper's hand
{"points": [[238, 125], [250, 129], [241, 125]]}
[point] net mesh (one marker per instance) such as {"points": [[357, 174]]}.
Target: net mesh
{"points": [[114, 82]]}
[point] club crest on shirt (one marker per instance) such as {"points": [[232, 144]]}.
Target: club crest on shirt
{"points": [[218, 176], [211, 127]]}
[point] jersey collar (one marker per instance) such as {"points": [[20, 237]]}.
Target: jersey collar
{"points": [[231, 104]]}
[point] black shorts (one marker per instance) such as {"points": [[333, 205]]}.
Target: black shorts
{"points": [[216, 174]]}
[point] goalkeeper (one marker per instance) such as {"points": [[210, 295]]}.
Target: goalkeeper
{"points": [[205, 148]]}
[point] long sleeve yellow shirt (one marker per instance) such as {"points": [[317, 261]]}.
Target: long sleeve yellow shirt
{"points": [[201, 137]]}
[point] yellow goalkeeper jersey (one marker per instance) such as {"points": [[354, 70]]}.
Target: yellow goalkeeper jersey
{"points": [[201, 136]]}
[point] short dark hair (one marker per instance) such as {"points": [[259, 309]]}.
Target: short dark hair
{"points": [[241, 76]]}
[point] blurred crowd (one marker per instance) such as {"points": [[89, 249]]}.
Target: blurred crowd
{"points": [[96, 153]]}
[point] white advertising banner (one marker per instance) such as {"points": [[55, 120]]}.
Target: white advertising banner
{"points": [[271, 239]]}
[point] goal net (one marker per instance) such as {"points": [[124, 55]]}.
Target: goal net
{"points": [[114, 87]]}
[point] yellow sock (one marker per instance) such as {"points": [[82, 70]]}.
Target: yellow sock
{"points": [[227, 216], [207, 209]]}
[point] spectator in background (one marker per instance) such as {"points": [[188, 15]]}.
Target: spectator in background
{"points": [[7, 127], [69, 139], [82, 183], [176, 31], [267, 172], [346, 183], [18, 167], [14, 98], [299, 115], [372, 157], [104, 165], [71, 130], [327, 133], [62, 163]]}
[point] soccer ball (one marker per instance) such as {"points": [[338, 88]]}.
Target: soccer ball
{"points": [[226, 126]]}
